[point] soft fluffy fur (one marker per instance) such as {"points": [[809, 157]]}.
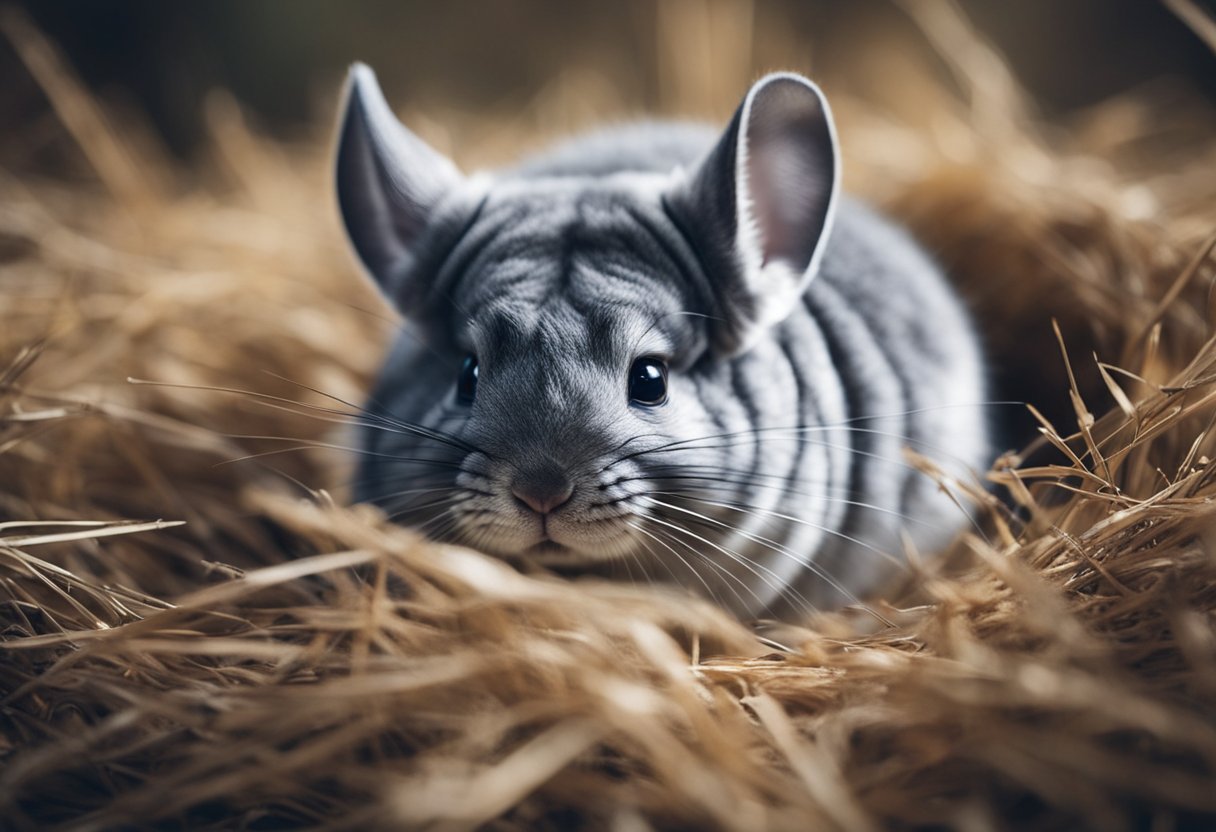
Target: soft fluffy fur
{"points": [[809, 342], [279, 662]]}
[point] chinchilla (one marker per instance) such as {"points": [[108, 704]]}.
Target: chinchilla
{"points": [[661, 352]]}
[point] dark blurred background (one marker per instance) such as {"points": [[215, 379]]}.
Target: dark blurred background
{"points": [[282, 58]]}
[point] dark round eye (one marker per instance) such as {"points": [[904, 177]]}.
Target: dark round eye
{"points": [[648, 381], [466, 385]]}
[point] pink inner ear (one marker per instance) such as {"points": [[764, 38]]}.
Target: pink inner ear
{"points": [[790, 170]]}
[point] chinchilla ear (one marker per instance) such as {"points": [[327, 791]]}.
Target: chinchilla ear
{"points": [[389, 184], [759, 207]]}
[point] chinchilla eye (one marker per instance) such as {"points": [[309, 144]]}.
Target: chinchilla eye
{"points": [[466, 384], [648, 381]]}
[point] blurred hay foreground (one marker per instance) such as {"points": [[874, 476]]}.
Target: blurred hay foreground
{"points": [[278, 661]]}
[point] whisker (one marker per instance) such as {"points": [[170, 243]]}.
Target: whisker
{"points": [[854, 503], [899, 463], [751, 481], [310, 410], [312, 446], [779, 549], [748, 479], [442, 520], [746, 509], [826, 426], [414, 507], [629, 572], [419, 479], [771, 580], [801, 437], [655, 557], [713, 596], [730, 579], [803, 603], [388, 501], [383, 416]]}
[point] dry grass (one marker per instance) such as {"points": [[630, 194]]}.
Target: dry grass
{"points": [[279, 660]]}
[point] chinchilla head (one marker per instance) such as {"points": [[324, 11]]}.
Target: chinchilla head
{"points": [[571, 340]]}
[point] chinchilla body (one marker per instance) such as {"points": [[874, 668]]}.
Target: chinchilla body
{"points": [[662, 352]]}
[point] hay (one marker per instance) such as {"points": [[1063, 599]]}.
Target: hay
{"points": [[280, 660]]}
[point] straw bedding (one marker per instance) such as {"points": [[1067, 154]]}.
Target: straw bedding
{"points": [[197, 633]]}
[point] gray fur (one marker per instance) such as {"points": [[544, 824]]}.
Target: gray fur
{"points": [[800, 368]]}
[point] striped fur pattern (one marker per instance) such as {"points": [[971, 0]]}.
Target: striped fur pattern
{"points": [[806, 343]]}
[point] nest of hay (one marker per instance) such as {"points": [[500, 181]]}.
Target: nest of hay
{"points": [[195, 634]]}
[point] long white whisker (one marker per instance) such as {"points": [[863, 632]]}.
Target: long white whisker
{"points": [[399, 501], [770, 580], [827, 426], [402, 513], [384, 418], [801, 435], [751, 483], [722, 570], [307, 445], [746, 509], [781, 550], [689, 566]]}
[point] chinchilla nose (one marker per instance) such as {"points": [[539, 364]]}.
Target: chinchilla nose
{"points": [[542, 487]]}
